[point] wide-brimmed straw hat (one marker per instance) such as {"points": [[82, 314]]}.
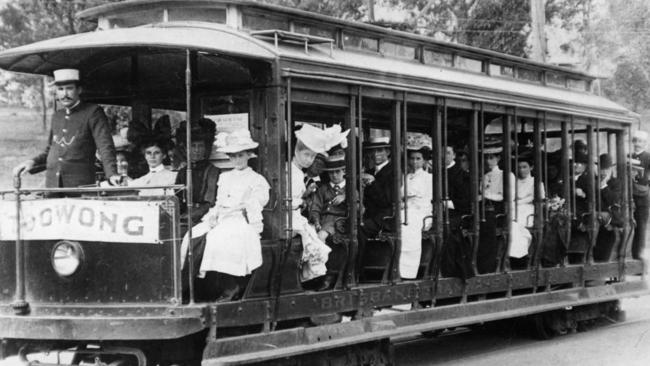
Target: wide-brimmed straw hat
{"points": [[377, 143], [492, 145], [334, 136], [65, 76], [314, 138], [334, 163], [236, 141], [419, 143]]}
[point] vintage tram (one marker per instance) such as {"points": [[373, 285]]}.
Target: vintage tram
{"points": [[98, 277]]}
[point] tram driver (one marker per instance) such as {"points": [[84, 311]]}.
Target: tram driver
{"points": [[77, 131]]}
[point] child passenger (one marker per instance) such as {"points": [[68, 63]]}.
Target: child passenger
{"points": [[329, 209], [232, 249], [155, 152]]}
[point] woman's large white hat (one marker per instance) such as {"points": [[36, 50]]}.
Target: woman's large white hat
{"points": [[236, 141], [314, 138]]}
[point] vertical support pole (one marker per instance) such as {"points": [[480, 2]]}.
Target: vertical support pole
{"points": [[508, 198], [439, 177], [538, 199], [361, 141], [598, 203], [623, 174], [20, 305], [475, 181], [351, 192], [405, 157], [189, 55], [591, 196], [396, 150], [567, 182], [572, 168]]}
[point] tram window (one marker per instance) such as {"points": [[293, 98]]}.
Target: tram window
{"points": [[197, 14], [501, 70], [360, 43], [470, 64], [313, 30], [398, 50], [555, 79], [577, 84], [261, 22], [136, 18], [529, 75], [438, 58]]}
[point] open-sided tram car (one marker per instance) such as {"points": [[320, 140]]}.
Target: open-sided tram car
{"points": [[277, 67]]}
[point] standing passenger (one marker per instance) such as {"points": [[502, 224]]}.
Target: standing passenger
{"points": [[378, 192], [640, 192], [419, 193]]}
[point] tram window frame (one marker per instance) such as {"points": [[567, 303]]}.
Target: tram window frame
{"points": [[431, 57], [197, 13], [358, 44], [255, 21], [470, 64], [135, 18], [392, 48], [499, 70], [313, 30]]}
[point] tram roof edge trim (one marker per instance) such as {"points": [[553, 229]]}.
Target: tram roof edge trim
{"points": [[181, 35], [94, 13]]}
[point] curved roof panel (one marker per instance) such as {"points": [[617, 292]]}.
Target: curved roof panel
{"points": [[79, 49]]}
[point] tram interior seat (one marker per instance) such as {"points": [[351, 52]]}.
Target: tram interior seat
{"points": [[429, 248]]}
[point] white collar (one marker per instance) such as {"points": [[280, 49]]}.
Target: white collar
{"points": [[157, 169], [380, 166], [68, 110], [451, 165], [494, 170], [341, 185]]}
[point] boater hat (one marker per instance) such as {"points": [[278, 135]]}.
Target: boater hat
{"points": [[377, 142], [236, 141], [492, 145], [334, 163], [65, 76]]}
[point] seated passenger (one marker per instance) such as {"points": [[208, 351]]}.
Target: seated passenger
{"points": [[520, 236], [610, 216], [155, 151], [378, 189], [328, 213], [579, 235], [310, 142], [493, 201], [419, 193], [204, 174], [232, 244]]}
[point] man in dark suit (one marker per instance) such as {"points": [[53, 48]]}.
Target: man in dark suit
{"points": [[378, 195], [457, 252], [640, 192], [77, 131]]}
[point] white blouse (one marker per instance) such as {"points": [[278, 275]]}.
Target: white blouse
{"points": [[158, 176], [419, 190]]}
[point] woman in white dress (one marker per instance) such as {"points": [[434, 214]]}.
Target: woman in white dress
{"points": [[233, 248], [310, 141], [520, 236], [419, 193]]}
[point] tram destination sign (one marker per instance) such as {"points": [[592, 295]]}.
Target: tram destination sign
{"points": [[81, 219]]}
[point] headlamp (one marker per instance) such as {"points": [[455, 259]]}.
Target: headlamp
{"points": [[66, 257]]}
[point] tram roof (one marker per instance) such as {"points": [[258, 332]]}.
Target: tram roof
{"points": [[238, 7], [83, 49]]}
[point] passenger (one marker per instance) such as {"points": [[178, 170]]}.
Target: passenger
{"points": [[493, 200], [526, 191], [155, 150], [610, 217], [204, 174], [457, 250], [579, 235], [77, 131], [520, 235], [313, 181], [640, 192], [418, 206], [378, 189], [581, 182], [553, 174], [328, 213], [310, 142], [580, 147], [232, 244]]}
